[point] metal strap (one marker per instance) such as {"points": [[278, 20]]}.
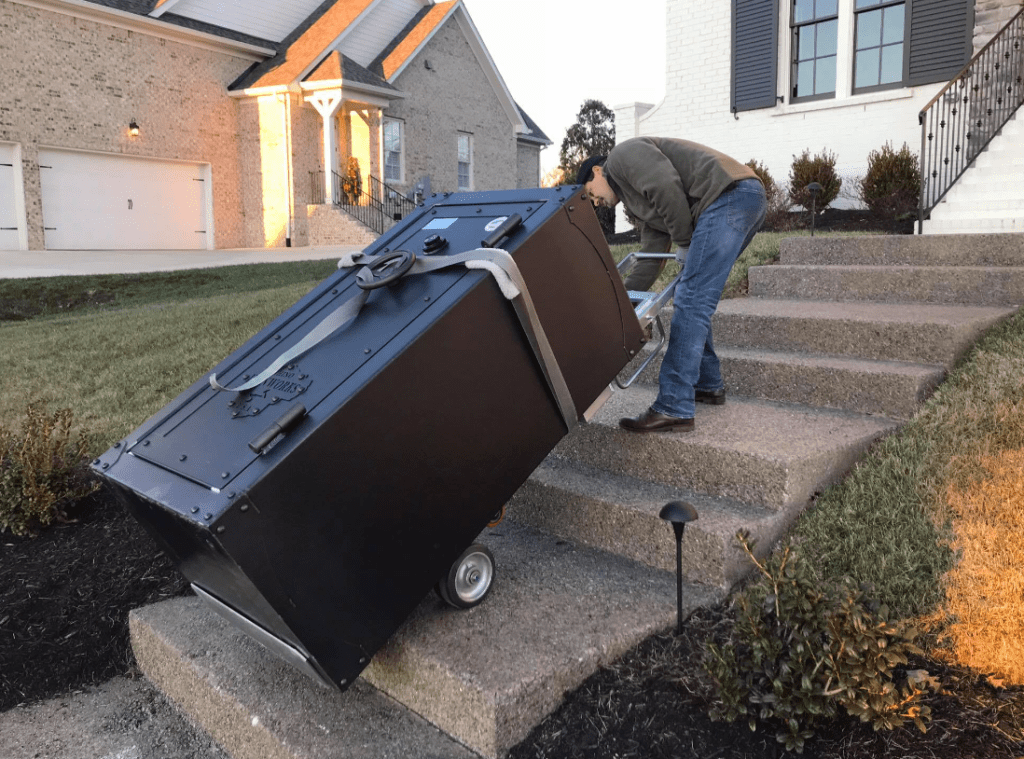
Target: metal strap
{"points": [[517, 293]]}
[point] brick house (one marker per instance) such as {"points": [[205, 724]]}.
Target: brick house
{"points": [[767, 79], [203, 124]]}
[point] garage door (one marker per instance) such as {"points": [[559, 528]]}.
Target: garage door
{"points": [[94, 201], [8, 199]]}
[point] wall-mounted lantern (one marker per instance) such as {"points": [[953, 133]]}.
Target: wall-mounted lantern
{"points": [[133, 128]]}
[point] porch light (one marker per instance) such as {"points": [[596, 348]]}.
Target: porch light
{"points": [[133, 128]]}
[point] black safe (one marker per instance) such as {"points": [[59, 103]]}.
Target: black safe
{"points": [[318, 509]]}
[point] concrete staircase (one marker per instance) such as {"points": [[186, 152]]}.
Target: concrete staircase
{"points": [[330, 225], [834, 348], [989, 197]]}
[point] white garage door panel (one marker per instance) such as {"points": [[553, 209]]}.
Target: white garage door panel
{"points": [[93, 202], [8, 190]]}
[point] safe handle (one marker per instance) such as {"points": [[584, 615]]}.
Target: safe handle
{"points": [[507, 227], [282, 426]]}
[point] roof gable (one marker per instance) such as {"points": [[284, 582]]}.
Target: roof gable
{"points": [[303, 50]]}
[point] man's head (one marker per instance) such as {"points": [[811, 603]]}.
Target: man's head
{"points": [[595, 184]]}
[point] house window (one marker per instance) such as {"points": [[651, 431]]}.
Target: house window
{"points": [[392, 151], [465, 162], [878, 44], [815, 27]]}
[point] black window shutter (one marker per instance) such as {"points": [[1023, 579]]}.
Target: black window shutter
{"points": [[940, 39], [755, 44]]}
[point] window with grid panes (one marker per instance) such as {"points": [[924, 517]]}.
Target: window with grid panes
{"points": [[465, 162], [878, 44], [392, 150], [815, 31]]}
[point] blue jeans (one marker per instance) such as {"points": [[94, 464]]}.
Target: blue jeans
{"points": [[723, 230]]}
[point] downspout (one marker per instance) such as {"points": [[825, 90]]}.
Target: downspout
{"points": [[286, 114]]}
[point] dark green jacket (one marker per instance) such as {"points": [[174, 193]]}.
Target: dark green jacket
{"points": [[665, 184]]}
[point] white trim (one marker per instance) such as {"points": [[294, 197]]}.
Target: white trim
{"points": [[153, 27], [375, 96], [848, 102], [163, 8]]}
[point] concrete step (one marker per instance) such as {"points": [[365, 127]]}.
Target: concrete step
{"points": [[485, 676], [620, 514], [978, 285], [916, 333], [1000, 160], [887, 388], [972, 208], [764, 454], [893, 250], [989, 183], [973, 226]]}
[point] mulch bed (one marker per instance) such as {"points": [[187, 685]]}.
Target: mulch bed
{"points": [[66, 595], [65, 598]]}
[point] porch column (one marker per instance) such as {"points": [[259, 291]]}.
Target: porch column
{"points": [[327, 104]]}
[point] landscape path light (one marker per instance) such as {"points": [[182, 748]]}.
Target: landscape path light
{"points": [[679, 513], [815, 189]]}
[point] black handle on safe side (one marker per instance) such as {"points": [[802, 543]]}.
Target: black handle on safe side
{"points": [[282, 426], [507, 227]]}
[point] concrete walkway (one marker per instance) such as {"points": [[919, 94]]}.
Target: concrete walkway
{"points": [[22, 264]]}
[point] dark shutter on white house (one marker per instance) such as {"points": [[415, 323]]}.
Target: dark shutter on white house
{"points": [[940, 39], [755, 44]]}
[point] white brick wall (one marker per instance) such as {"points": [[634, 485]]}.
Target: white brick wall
{"points": [[696, 105]]}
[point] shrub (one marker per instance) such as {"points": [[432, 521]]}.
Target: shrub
{"points": [[892, 185], [821, 169], [770, 188], [42, 471], [798, 651], [778, 216]]}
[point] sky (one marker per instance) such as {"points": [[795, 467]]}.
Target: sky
{"points": [[555, 54]]}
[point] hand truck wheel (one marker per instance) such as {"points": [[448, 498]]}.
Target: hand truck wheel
{"points": [[469, 580]]}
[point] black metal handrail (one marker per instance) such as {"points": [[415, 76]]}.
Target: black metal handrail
{"points": [[960, 121], [376, 206]]}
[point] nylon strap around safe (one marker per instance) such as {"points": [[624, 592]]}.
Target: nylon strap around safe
{"points": [[518, 294]]}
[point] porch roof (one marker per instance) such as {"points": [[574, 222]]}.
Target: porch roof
{"points": [[303, 49], [340, 67]]}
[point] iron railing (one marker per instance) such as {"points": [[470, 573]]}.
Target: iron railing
{"points": [[959, 122], [376, 204]]}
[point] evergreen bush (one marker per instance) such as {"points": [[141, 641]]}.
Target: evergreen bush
{"points": [[799, 650]]}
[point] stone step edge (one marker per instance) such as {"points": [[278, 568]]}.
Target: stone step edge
{"points": [[485, 676], [760, 452], [754, 373], [620, 514]]}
